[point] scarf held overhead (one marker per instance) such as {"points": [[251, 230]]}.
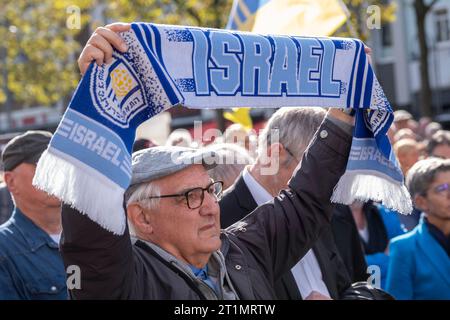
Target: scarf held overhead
{"points": [[88, 162]]}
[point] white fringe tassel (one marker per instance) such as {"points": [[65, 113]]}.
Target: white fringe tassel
{"points": [[99, 198], [355, 186]]}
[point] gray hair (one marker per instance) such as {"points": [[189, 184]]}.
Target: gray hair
{"points": [[440, 137], [139, 193], [296, 128], [179, 137], [422, 174], [232, 160]]}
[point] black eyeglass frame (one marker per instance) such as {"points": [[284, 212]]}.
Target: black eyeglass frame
{"points": [[186, 194]]}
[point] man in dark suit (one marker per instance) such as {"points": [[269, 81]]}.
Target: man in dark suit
{"points": [[321, 273]]}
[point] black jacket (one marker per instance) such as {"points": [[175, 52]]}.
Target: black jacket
{"points": [[238, 202], [348, 243], [257, 251]]}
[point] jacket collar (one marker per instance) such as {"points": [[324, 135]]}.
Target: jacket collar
{"points": [[257, 191], [325, 256], [245, 199], [434, 251], [33, 235]]}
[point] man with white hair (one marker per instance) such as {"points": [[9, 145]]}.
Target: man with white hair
{"points": [[320, 274], [180, 251]]}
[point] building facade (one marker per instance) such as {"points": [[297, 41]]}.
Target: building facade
{"points": [[396, 57]]}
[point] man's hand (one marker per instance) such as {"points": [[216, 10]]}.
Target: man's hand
{"points": [[338, 114], [100, 45], [368, 52]]}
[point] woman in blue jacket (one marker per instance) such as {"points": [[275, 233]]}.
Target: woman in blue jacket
{"points": [[419, 265]]}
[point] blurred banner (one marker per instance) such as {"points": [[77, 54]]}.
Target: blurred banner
{"points": [[284, 17]]}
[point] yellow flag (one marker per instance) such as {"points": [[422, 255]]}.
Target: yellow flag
{"points": [[300, 17], [289, 17], [241, 116]]}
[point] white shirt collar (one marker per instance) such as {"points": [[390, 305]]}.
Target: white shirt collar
{"points": [[306, 272], [259, 193]]}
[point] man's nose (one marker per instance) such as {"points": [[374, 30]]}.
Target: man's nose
{"points": [[209, 204]]}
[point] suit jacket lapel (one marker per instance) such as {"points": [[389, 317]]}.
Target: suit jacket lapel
{"points": [[324, 257], [435, 253], [245, 198], [291, 288]]}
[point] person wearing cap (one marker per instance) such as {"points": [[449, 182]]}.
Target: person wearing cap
{"points": [[31, 266], [178, 250], [6, 203]]}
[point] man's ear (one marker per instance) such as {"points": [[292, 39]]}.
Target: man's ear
{"points": [[10, 181], [274, 150], [421, 202], [139, 219]]}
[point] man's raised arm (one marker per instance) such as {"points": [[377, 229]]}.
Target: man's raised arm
{"points": [[293, 221]]}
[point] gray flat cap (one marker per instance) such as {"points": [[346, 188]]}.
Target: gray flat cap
{"points": [[27, 147], [157, 162]]}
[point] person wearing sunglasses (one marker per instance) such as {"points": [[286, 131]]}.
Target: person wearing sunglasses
{"points": [[419, 265]]}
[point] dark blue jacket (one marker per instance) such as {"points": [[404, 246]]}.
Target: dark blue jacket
{"points": [[31, 266]]}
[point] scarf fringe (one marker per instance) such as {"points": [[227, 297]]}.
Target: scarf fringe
{"points": [[355, 186], [81, 188]]}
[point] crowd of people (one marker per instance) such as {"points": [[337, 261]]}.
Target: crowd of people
{"points": [[248, 225]]}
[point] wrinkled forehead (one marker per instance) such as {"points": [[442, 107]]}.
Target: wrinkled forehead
{"points": [[191, 177]]}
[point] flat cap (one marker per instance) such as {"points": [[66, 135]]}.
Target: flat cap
{"points": [[157, 162], [25, 148]]}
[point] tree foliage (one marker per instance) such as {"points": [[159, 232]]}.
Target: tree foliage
{"points": [[38, 51]]}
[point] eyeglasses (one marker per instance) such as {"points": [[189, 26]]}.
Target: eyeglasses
{"points": [[290, 153], [194, 197]]}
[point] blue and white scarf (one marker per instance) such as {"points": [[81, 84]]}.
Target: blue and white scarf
{"points": [[88, 162]]}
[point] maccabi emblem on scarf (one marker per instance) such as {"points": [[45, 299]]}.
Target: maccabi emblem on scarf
{"points": [[117, 92]]}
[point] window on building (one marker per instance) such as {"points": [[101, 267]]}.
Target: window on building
{"points": [[442, 25], [386, 35]]}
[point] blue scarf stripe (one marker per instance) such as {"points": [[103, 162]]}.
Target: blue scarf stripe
{"points": [[368, 91], [162, 75], [350, 93], [359, 78], [157, 38]]}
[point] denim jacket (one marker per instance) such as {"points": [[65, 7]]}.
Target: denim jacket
{"points": [[31, 266]]}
